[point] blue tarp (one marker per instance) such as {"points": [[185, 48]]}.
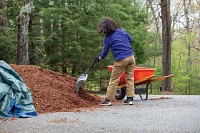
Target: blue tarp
{"points": [[15, 97]]}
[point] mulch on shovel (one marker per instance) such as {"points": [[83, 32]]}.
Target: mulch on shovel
{"points": [[54, 92]]}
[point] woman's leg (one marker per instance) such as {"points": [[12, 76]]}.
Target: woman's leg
{"points": [[118, 69], [129, 72]]}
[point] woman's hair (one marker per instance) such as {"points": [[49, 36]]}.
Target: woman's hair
{"points": [[107, 26]]}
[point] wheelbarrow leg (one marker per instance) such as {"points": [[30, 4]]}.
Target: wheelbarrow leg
{"points": [[141, 91]]}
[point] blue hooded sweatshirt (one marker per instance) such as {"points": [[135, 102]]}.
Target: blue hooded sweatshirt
{"points": [[119, 42]]}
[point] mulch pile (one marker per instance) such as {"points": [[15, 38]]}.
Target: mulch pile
{"points": [[54, 92]]}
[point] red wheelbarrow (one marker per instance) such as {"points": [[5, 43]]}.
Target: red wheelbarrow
{"points": [[142, 76]]}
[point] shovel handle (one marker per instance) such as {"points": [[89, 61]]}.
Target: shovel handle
{"points": [[90, 67]]}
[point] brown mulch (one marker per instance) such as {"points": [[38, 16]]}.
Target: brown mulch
{"points": [[160, 98], [54, 92]]}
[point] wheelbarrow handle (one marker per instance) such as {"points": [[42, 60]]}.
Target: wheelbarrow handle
{"points": [[90, 67]]}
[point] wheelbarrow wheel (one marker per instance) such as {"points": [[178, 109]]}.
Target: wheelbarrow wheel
{"points": [[120, 94]]}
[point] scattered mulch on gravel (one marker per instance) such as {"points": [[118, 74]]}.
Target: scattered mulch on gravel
{"points": [[12, 119], [54, 92], [64, 120], [160, 98]]}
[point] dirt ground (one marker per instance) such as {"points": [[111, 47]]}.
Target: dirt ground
{"points": [[54, 92]]}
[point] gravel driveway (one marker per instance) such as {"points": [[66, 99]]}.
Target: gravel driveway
{"points": [[159, 114]]}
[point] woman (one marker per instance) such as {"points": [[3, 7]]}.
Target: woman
{"points": [[120, 43]]}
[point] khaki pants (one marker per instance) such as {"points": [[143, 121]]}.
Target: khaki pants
{"points": [[119, 67]]}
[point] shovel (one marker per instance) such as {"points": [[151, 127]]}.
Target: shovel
{"points": [[83, 77]]}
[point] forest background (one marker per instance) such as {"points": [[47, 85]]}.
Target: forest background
{"points": [[62, 36]]}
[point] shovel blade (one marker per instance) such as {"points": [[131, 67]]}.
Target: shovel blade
{"points": [[80, 80]]}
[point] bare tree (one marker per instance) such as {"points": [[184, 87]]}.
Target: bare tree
{"points": [[198, 47], [187, 27], [23, 22], [157, 39], [166, 41]]}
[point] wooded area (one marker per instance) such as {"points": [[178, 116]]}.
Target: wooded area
{"points": [[62, 36]]}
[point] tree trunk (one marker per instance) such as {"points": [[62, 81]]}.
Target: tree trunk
{"points": [[158, 37], [166, 41], [189, 64], [31, 43], [23, 22], [3, 14]]}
